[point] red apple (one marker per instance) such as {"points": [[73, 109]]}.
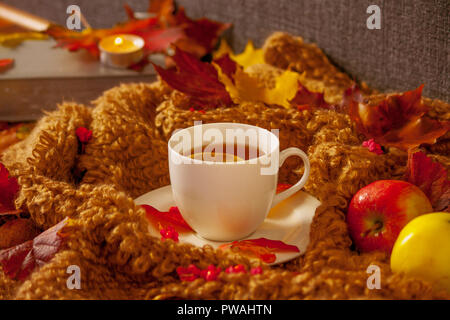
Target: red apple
{"points": [[380, 210]]}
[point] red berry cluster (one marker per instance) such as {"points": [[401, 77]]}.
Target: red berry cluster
{"points": [[169, 233], [83, 135], [256, 270], [211, 273], [239, 268], [192, 109], [372, 146], [192, 272]]}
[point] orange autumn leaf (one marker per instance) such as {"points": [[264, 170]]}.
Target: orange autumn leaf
{"points": [[431, 177], [14, 134], [19, 261], [8, 137], [73, 41], [261, 248], [16, 231], [163, 9], [156, 39], [162, 220], [399, 120], [129, 11], [197, 79]]}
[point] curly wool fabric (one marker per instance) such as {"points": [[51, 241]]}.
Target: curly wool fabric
{"points": [[127, 156]]}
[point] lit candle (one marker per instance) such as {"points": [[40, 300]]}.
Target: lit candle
{"points": [[121, 50]]}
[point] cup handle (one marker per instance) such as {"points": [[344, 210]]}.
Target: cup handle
{"points": [[301, 183]]}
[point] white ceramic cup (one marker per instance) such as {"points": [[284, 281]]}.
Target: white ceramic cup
{"points": [[226, 201]]}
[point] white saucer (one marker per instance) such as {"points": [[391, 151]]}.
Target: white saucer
{"points": [[289, 221]]}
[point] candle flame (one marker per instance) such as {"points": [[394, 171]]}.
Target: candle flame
{"points": [[118, 41]]}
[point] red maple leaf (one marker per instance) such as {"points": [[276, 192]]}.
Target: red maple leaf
{"points": [[203, 31], [431, 177], [161, 220], [8, 191], [4, 125], [19, 261], [5, 64], [398, 120], [197, 79], [262, 248], [282, 187], [159, 40], [305, 99], [227, 65]]}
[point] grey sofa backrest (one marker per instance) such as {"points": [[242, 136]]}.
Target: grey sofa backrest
{"points": [[410, 48]]}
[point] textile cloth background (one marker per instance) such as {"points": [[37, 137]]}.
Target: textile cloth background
{"points": [[412, 46]]}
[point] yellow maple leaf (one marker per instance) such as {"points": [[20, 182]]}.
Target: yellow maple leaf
{"points": [[250, 56], [224, 48], [248, 88], [12, 40]]}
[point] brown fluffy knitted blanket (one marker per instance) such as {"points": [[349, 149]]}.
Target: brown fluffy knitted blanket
{"points": [[127, 157]]}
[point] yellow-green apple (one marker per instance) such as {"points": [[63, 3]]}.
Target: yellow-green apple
{"points": [[379, 211], [422, 249]]}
